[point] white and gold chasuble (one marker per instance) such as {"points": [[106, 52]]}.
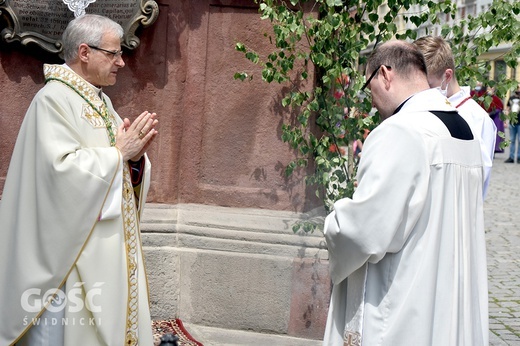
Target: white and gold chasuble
{"points": [[69, 220]]}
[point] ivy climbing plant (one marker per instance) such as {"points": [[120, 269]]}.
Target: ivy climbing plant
{"points": [[471, 37], [325, 44]]}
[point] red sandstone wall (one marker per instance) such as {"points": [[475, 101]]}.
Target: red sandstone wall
{"points": [[219, 139]]}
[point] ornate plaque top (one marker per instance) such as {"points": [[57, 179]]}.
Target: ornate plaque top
{"points": [[43, 21], [78, 6]]}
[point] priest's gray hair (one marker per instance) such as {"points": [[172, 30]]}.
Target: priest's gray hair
{"points": [[88, 29]]}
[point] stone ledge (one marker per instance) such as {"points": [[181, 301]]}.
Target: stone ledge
{"points": [[231, 229]]}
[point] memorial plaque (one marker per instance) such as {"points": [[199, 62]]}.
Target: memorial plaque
{"points": [[43, 21]]}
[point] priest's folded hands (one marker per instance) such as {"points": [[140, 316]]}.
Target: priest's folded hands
{"points": [[133, 139]]}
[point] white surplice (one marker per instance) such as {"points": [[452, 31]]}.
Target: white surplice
{"points": [[482, 126], [69, 223], [407, 252]]}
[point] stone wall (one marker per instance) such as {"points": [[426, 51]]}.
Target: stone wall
{"points": [[236, 268]]}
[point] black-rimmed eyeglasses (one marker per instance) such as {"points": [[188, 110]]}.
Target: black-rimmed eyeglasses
{"points": [[115, 53], [373, 75]]}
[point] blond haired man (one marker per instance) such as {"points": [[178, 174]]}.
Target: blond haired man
{"points": [[441, 74]]}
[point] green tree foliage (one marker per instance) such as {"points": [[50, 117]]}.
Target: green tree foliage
{"points": [[474, 36], [328, 41]]}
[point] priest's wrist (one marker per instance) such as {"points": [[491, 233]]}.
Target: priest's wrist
{"points": [[136, 160], [123, 154]]}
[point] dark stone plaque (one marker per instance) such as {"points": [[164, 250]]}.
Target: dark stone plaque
{"points": [[43, 21]]}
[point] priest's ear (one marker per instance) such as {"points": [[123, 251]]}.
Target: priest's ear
{"points": [[83, 52], [385, 75]]}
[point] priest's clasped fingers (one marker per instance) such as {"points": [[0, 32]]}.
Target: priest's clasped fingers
{"points": [[144, 124], [134, 138]]}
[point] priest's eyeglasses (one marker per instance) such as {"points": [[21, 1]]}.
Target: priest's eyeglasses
{"points": [[115, 54], [373, 75]]}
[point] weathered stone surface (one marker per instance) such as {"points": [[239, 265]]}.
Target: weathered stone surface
{"points": [[236, 268]]}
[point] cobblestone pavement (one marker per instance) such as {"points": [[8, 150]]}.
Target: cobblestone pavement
{"points": [[502, 223]]}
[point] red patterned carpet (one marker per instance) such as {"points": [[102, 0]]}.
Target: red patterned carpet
{"points": [[173, 326]]}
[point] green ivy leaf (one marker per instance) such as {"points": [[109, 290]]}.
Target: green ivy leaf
{"points": [[240, 47], [240, 75]]}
